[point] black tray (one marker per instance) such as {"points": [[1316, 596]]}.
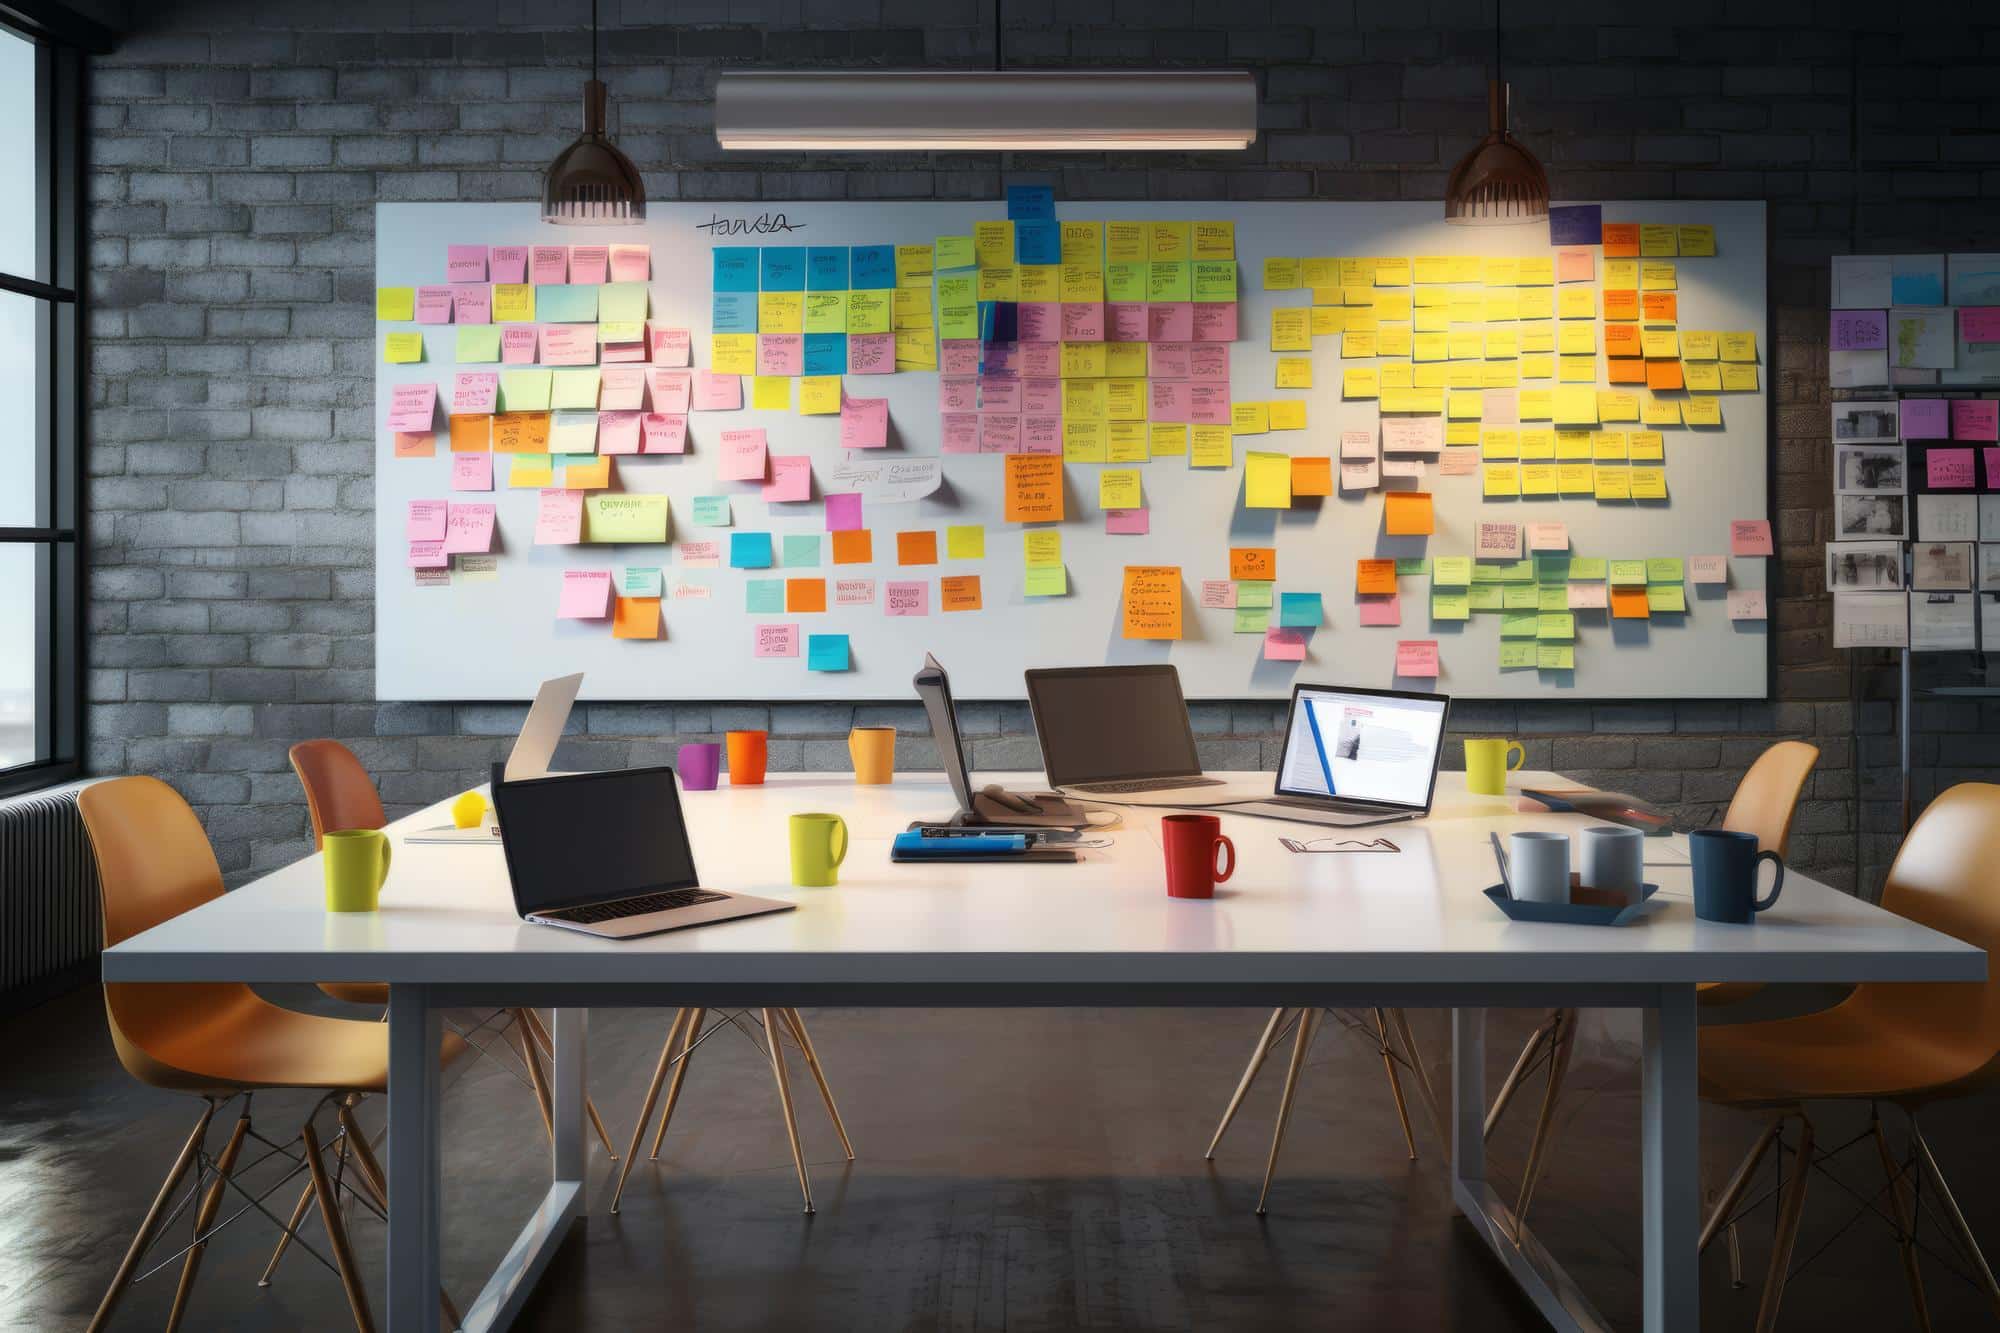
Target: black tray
{"points": [[1609, 912]]}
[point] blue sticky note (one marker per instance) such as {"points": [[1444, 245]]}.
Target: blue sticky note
{"points": [[826, 268], [1005, 323], [826, 652], [711, 511], [566, 304], [735, 312], [749, 550], [1037, 243], [783, 268], [736, 268], [825, 354], [801, 550], [764, 596], [874, 267], [1298, 608], [1031, 202], [1924, 287], [1576, 224]]}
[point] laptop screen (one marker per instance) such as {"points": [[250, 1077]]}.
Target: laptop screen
{"points": [[593, 837], [1106, 724], [1361, 745]]}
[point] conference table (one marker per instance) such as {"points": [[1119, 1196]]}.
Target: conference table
{"points": [[1410, 928]]}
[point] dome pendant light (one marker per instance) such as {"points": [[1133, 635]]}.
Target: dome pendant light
{"points": [[592, 183], [1499, 183]]}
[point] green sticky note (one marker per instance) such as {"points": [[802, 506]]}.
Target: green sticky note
{"points": [[1552, 599], [564, 304], [954, 252], [1124, 282], [1626, 573], [801, 550], [1451, 571], [478, 342], [1667, 597], [1555, 656], [1517, 626], [574, 388], [1664, 569], [622, 331], [958, 321], [1517, 596], [620, 516], [1584, 568], [524, 390], [1252, 619], [622, 301], [1486, 597], [640, 581], [1215, 280], [957, 293], [764, 596], [711, 511], [1045, 581], [1487, 572], [1516, 571], [1555, 625], [1170, 280], [1515, 654], [1450, 605], [1415, 565], [1551, 568], [1253, 592]]}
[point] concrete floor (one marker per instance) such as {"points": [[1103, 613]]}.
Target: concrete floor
{"points": [[1023, 1169]]}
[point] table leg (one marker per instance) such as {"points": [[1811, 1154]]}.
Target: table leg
{"points": [[415, 1170], [572, 1147], [1670, 1170], [1468, 1096]]}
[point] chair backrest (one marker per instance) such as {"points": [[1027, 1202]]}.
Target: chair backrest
{"points": [[1768, 796], [339, 792]]}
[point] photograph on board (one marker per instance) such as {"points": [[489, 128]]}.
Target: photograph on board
{"points": [[1941, 566], [1864, 566], [1870, 515], [1864, 422], [1868, 469]]}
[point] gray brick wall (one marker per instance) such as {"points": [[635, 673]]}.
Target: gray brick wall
{"points": [[240, 146]]}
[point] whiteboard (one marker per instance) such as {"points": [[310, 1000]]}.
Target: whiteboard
{"points": [[496, 639]]}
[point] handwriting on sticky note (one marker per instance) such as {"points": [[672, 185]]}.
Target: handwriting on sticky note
{"points": [[1253, 562], [1750, 536], [775, 640], [1152, 599], [586, 595], [1417, 657], [1034, 488]]}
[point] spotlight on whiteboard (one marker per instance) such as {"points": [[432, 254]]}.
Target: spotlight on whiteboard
{"points": [[1012, 110]]}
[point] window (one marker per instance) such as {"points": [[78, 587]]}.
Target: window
{"points": [[41, 559]]}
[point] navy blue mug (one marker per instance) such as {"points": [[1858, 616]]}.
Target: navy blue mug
{"points": [[1725, 875]]}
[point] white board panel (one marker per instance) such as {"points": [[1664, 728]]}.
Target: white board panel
{"points": [[496, 639]]}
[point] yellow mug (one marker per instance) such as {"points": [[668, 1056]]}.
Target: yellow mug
{"points": [[1487, 764], [873, 750], [819, 845], [357, 865]]}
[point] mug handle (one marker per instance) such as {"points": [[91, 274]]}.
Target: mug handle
{"points": [[1517, 755], [386, 852], [837, 841], [1777, 883], [1224, 866]]}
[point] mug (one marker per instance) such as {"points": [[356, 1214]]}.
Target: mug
{"points": [[747, 752], [357, 865], [1725, 875], [698, 764], [819, 845], [468, 810], [1195, 863], [1538, 866], [873, 750], [1487, 764], [1614, 859]]}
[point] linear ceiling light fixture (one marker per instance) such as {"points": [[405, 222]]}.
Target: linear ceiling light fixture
{"points": [[1499, 183], [591, 182]]}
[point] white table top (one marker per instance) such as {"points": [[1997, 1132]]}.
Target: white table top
{"points": [[1415, 917]]}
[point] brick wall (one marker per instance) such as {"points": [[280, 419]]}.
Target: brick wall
{"points": [[240, 147]]}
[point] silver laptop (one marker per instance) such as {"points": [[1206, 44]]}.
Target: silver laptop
{"points": [[533, 749], [1354, 757], [608, 854], [1120, 734]]}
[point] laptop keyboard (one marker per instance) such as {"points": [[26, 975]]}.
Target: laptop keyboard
{"points": [[1149, 784], [624, 907]]}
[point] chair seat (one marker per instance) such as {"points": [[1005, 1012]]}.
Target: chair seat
{"points": [[1853, 1050], [374, 994]]}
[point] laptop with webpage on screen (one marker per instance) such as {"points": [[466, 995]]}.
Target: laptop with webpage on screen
{"points": [[1354, 757]]}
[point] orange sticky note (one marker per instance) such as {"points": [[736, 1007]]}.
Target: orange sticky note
{"points": [[1625, 370], [1662, 374], [521, 433], [1034, 488], [1152, 601], [416, 444], [805, 595], [958, 592], [1375, 576], [1312, 476], [1253, 562], [1621, 304], [918, 548], [1407, 514], [1661, 307], [593, 475], [1621, 340], [635, 618], [471, 434], [1629, 604], [1621, 240], [855, 546]]}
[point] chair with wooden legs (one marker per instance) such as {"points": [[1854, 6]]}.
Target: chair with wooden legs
{"points": [[1906, 1046], [1765, 804], [690, 1029], [222, 1043], [1390, 1026]]}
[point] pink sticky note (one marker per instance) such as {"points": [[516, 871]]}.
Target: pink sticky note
{"points": [[586, 595], [1125, 522], [1417, 657], [1381, 610], [1041, 396], [1218, 594], [999, 433], [961, 433], [958, 393], [1125, 321], [631, 263], [1170, 361], [670, 347], [1750, 536], [1208, 363], [559, 518], [742, 455], [661, 433], [589, 264], [1926, 419], [1001, 359], [472, 303], [1746, 604], [1949, 469], [1979, 323], [907, 599], [472, 472], [469, 528], [622, 388], [780, 353], [1576, 263], [1992, 457], [1215, 322], [507, 263], [428, 555], [433, 305], [1858, 330], [698, 555], [465, 263], [791, 478], [1039, 360], [1284, 645], [474, 392], [1171, 400], [1169, 321], [618, 432], [864, 423], [411, 406], [1039, 321], [717, 393], [569, 344], [1041, 433], [999, 395], [854, 592], [1083, 321], [424, 520], [1708, 569], [517, 345], [871, 354], [958, 356], [1975, 419], [671, 390], [777, 640], [1208, 404], [843, 512], [549, 264]]}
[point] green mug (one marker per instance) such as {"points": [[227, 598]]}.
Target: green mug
{"points": [[819, 845], [357, 865], [1487, 764]]}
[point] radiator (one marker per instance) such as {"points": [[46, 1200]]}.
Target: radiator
{"points": [[49, 924]]}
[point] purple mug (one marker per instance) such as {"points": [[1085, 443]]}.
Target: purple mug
{"points": [[698, 765]]}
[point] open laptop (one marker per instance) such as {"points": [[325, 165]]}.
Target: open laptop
{"points": [[529, 758], [1354, 757], [608, 854], [990, 806], [1121, 734]]}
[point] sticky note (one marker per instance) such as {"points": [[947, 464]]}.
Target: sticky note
{"points": [[1033, 488], [405, 348], [586, 595], [964, 541], [1152, 601], [1629, 604], [1407, 514], [916, 547], [396, 303], [1300, 608], [826, 652], [750, 550], [959, 592], [1417, 657], [853, 546]]}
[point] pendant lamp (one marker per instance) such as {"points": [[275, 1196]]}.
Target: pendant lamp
{"points": [[592, 183], [1499, 183]]}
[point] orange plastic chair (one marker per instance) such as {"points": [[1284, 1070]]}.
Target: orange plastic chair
{"points": [[217, 1041], [340, 795], [1908, 1045]]}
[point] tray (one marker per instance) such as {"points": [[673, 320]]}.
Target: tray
{"points": [[1607, 911]]}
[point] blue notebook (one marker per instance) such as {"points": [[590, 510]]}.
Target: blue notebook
{"points": [[912, 843]]}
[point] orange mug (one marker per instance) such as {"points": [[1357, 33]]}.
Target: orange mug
{"points": [[873, 750], [748, 751]]}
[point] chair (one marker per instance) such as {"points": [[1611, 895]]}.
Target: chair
{"points": [[221, 1042], [1765, 803], [1908, 1045]]}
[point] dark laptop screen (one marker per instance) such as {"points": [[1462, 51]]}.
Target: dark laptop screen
{"points": [[593, 837], [1103, 724]]}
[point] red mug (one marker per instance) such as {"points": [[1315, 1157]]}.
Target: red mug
{"points": [[1194, 863]]}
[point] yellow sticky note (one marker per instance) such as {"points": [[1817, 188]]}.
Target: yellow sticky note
{"points": [[400, 349], [1085, 400], [1083, 361], [1537, 271], [1214, 240], [1280, 275], [1612, 483], [1699, 345], [1357, 344], [1361, 382], [1500, 444], [781, 312], [1658, 240], [1125, 442], [593, 475], [997, 282], [1168, 240], [513, 303], [1321, 271], [1328, 320], [1291, 329], [1739, 378], [1392, 272], [1737, 346], [1648, 483], [1249, 418], [1706, 376], [530, 470], [1659, 342], [1210, 446], [733, 353], [819, 395], [965, 541], [1125, 361], [1538, 479], [1701, 411], [1645, 445], [1575, 407], [1608, 446], [1289, 413], [1577, 337], [1577, 303], [1295, 372], [1083, 244], [398, 303], [1500, 479], [1657, 276], [1696, 239], [770, 393], [1267, 480], [913, 265], [993, 243], [1167, 439], [1661, 411], [1040, 282], [1124, 242], [1084, 441], [1118, 488], [1576, 369], [1617, 405], [1041, 546], [1463, 405]]}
